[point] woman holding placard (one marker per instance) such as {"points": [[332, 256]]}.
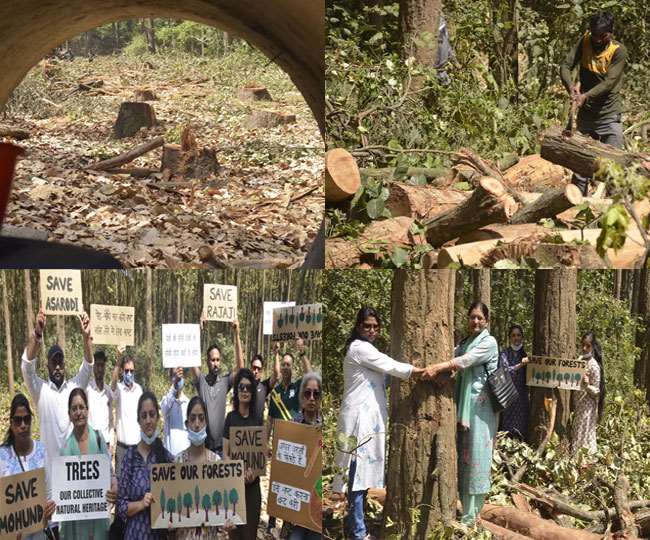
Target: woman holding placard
{"points": [[134, 494], [243, 415], [514, 419], [20, 453]]}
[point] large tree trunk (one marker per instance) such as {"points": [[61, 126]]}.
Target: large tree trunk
{"points": [[554, 334], [419, 20], [481, 285], [149, 325], [422, 455], [641, 365], [7, 325], [29, 313]]}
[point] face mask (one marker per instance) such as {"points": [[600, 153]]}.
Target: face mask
{"points": [[197, 438], [517, 347], [587, 356], [128, 378], [180, 383], [148, 440]]}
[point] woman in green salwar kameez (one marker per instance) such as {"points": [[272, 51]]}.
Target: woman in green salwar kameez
{"points": [[475, 357]]}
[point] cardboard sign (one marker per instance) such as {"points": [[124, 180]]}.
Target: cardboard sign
{"points": [[112, 325], [197, 494], [22, 504], [249, 445], [304, 321], [61, 292], [295, 486], [220, 302], [181, 345], [79, 485], [267, 314], [555, 372]]}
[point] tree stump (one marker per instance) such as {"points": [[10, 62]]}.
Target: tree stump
{"points": [[133, 115], [342, 179], [144, 94], [254, 93], [269, 119], [195, 163]]}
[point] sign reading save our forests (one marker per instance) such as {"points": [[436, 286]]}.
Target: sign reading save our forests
{"points": [[295, 486], [290, 323], [563, 373], [79, 485], [197, 494], [22, 504], [220, 302], [267, 314], [249, 444], [112, 325], [61, 292]]}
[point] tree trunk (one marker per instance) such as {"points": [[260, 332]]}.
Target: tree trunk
{"points": [[618, 283], [641, 365], [29, 313], [551, 203], [505, 64], [422, 455], [60, 332], [419, 21], [421, 202], [554, 334], [481, 285], [7, 325], [149, 325], [460, 309]]}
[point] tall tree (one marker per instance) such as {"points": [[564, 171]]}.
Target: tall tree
{"points": [[7, 325], [641, 367], [422, 453], [505, 60], [419, 21], [29, 313], [554, 335], [481, 285], [149, 325]]}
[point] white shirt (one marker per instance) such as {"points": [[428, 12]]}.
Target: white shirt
{"points": [[52, 404], [126, 410], [100, 409], [174, 411]]}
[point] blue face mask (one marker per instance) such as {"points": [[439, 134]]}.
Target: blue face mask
{"points": [[180, 383], [128, 378], [148, 440], [197, 438]]}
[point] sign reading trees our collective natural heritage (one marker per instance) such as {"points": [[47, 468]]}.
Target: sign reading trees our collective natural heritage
{"points": [[79, 485], [196, 494], [564, 373], [267, 314], [290, 323], [220, 302], [249, 444], [181, 345], [295, 486], [61, 292], [22, 504], [112, 325]]}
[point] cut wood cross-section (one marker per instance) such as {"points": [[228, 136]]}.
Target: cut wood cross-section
{"points": [[342, 178]]}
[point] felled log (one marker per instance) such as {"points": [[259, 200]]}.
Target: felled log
{"points": [[145, 94], [254, 93], [533, 173], [269, 119], [503, 232], [342, 178], [580, 152], [127, 157], [133, 116], [434, 175], [489, 203], [421, 202], [551, 203], [14, 133], [194, 163]]}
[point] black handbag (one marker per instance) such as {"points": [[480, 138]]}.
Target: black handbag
{"points": [[502, 390]]}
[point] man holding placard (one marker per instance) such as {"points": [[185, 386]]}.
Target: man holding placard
{"points": [[100, 399], [174, 410]]}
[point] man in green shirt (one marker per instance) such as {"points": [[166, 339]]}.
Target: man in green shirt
{"points": [[597, 94]]}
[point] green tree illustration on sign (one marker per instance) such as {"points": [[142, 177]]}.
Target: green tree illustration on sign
{"points": [[197, 498], [179, 506], [163, 500], [234, 497], [216, 500], [187, 503], [206, 505], [225, 502], [171, 508]]}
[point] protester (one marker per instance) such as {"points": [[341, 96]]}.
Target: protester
{"points": [[514, 419], [100, 399], [174, 412], [263, 386]]}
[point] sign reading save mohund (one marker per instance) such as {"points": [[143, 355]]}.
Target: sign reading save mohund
{"points": [[563, 373], [249, 444], [112, 325], [220, 302], [290, 323], [197, 494], [22, 504], [61, 292]]}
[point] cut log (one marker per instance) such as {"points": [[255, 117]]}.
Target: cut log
{"points": [[342, 179], [533, 173], [506, 233], [127, 157], [551, 203], [145, 94], [501, 533], [14, 133], [132, 117], [197, 163], [435, 176], [556, 503], [421, 202], [580, 152], [254, 93], [269, 119], [340, 253], [489, 203]]}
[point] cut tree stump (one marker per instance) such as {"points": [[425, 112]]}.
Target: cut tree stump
{"points": [[551, 203], [342, 179], [421, 202], [489, 203], [269, 119], [194, 163], [579, 153], [144, 94], [533, 173], [254, 93], [14, 133], [127, 157], [132, 117]]}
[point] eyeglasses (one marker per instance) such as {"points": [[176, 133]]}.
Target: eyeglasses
{"points": [[370, 326], [256, 368], [245, 387], [129, 371], [308, 394], [18, 420], [152, 414]]}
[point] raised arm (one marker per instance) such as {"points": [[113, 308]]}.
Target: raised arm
{"points": [[196, 370], [36, 338], [275, 373], [86, 370], [239, 353], [28, 365], [306, 362]]}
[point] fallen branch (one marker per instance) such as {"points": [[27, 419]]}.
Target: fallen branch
{"points": [[126, 157], [501, 533], [622, 505], [14, 133]]}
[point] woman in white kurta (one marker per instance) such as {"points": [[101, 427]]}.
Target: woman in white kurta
{"points": [[362, 420]]}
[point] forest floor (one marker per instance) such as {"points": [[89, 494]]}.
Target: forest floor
{"points": [[265, 201]]}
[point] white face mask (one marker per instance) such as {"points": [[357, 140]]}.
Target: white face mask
{"points": [[517, 347], [197, 438], [148, 440], [587, 356]]}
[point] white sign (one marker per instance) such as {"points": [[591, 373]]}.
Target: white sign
{"points": [[220, 302], [61, 292], [181, 345], [289, 496], [268, 314], [292, 453], [79, 485], [112, 325]]}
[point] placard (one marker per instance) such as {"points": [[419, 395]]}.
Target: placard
{"points": [[112, 325], [181, 345], [79, 485], [290, 323], [563, 373], [22, 504], [249, 444], [267, 314], [197, 494], [61, 292], [295, 486], [220, 302]]}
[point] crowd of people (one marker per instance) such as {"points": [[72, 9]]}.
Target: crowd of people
{"points": [[363, 415], [83, 415]]}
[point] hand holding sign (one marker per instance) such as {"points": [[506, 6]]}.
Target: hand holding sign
{"points": [[84, 320], [147, 500], [40, 324]]}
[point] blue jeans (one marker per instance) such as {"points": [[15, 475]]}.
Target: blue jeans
{"points": [[354, 522]]}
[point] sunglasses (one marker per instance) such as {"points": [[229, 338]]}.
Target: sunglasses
{"points": [[129, 371], [18, 420], [245, 387], [256, 368], [308, 394]]}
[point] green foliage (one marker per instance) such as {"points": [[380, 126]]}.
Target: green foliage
{"points": [[137, 46]]}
